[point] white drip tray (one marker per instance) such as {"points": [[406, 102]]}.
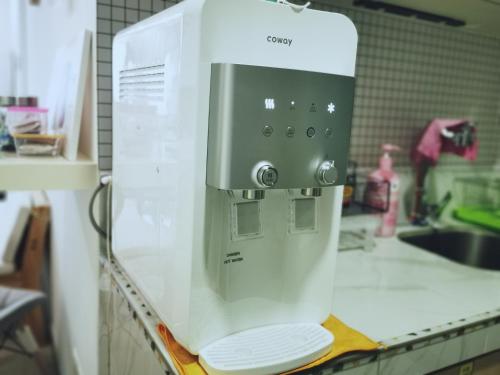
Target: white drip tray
{"points": [[266, 350]]}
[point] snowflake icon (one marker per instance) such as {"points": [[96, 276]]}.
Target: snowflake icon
{"points": [[331, 108]]}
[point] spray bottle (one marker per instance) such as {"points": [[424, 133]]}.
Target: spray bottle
{"points": [[382, 192]]}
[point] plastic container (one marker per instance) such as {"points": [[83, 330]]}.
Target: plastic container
{"points": [[471, 191], [477, 192], [494, 193], [38, 144], [32, 120]]}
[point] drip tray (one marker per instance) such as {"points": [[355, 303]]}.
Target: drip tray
{"points": [[267, 350]]}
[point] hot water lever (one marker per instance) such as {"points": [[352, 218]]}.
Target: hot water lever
{"points": [[327, 173], [267, 176]]}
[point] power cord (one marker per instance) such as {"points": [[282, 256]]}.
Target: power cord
{"points": [[108, 182], [104, 182]]}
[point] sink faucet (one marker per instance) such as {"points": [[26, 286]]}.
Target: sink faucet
{"points": [[456, 136], [430, 213]]}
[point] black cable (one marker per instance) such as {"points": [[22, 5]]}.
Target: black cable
{"points": [[94, 223]]}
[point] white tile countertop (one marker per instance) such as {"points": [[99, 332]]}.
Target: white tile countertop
{"points": [[429, 311], [398, 294], [397, 289]]}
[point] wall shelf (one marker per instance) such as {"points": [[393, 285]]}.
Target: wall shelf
{"points": [[46, 173]]}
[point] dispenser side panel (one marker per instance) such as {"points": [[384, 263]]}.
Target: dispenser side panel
{"points": [[294, 120], [154, 154]]}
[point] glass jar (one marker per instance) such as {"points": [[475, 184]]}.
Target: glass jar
{"points": [[27, 101], [28, 144], [5, 138]]}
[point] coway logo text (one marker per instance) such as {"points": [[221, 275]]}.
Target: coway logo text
{"points": [[279, 40]]}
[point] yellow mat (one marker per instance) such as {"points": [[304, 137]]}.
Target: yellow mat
{"points": [[346, 340]]}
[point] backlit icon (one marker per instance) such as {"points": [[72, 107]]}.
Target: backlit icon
{"points": [[331, 108], [292, 104], [269, 103]]}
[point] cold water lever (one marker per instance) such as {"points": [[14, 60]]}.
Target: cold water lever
{"points": [[327, 173]]}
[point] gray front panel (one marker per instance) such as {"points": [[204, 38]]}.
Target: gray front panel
{"points": [[293, 119]]}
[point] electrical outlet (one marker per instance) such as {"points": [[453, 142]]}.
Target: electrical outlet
{"points": [[466, 369]]}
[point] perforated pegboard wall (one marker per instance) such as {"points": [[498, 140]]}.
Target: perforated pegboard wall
{"points": [[411, 71], [408, 72], [113, 16]]}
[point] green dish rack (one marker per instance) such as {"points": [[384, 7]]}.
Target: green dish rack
{"points": [[478, 201]]}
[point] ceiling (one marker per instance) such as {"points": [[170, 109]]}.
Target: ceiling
{"points": [[481, 16]]}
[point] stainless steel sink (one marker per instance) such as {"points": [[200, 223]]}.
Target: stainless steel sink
{"points": [[462, 245]]}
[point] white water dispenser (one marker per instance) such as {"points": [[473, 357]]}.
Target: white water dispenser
{"points": [[231, 129]]}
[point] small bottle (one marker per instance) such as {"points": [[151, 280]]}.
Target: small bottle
{"points": [[382, 192], [350, 184]]}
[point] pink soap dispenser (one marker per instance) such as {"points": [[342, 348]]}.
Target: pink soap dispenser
{"points": [[377, 194]]}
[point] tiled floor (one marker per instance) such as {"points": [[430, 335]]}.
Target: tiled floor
{"points": [[11, 363]]}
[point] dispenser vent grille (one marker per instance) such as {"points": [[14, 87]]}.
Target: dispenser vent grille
{"points": [[146, 83]]}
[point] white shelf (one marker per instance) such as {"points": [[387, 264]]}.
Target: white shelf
{"points": [[46, 173]]}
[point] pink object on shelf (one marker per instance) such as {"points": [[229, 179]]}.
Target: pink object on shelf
{"points": [[432, 143], [27, 109]]}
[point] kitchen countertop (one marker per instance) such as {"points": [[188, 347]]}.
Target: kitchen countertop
{"points": [[428, 311], [398, 289]]}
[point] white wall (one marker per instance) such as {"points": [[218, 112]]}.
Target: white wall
{"points": [[4, 55], [75, 269], [75, 273], [13, 72], [5, 88]]}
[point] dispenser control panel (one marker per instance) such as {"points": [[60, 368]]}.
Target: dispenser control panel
{"points": [[277, 128]]}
